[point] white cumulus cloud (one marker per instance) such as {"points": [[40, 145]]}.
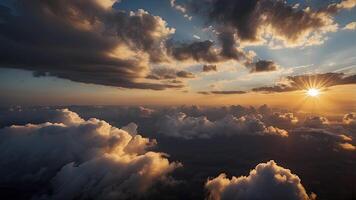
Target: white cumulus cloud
{"points": [[267, 181], [81, 159]]}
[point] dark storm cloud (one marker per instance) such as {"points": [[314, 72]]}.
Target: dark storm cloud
{"points": [[208, 68], [84, 41], [263, 66], [79, 159], [301, 82], [267, 181]]}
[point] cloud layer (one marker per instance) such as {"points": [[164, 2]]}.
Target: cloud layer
{"points": [[80, 159], [181, 125]]}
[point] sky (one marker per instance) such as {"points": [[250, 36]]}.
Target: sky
{"points": [[178, 99], [153, 52]]}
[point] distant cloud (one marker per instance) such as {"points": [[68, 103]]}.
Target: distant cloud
{"points": [[267, 181], [316, 122], [263, 66], [181, 8], [302, 82], [223, 92], [168, 73], [350, 119], [350, 26], [77, 158], [182, 126], [208, 68], [285, 120], [185, 74]]}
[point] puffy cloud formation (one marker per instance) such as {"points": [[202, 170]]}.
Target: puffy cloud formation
{"points": [[80, 159], [275, 23], [267, 181], [300, 82], [83, 41], [183, 126]]}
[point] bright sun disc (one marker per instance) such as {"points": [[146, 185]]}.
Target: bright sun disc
{"points": [[313, 92]]}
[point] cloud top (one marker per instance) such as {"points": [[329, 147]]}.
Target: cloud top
{"points": [[267, 181], [77, 158]]}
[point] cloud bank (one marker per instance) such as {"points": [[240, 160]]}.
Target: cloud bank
{"points": [[181, 125], [80, 159]]}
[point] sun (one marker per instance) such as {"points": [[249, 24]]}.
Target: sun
{"points": [[313, 92]]}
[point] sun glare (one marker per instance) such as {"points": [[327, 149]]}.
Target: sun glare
{"points": [[313, 92]]}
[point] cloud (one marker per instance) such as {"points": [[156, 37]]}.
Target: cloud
{"points": [[319, 128], [181, 8], [77, 158], [275, 23], [208, 68], [84, 42], [207, 51], [350, 26], [350, 119], [347, 146], [196, 37], [316, 122], [223, 92], [168, 73], [263, 66], [302, 82], [185, 74], [342, 5], [267, 181], [285, 120], [182, 126], [197, 51]]}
